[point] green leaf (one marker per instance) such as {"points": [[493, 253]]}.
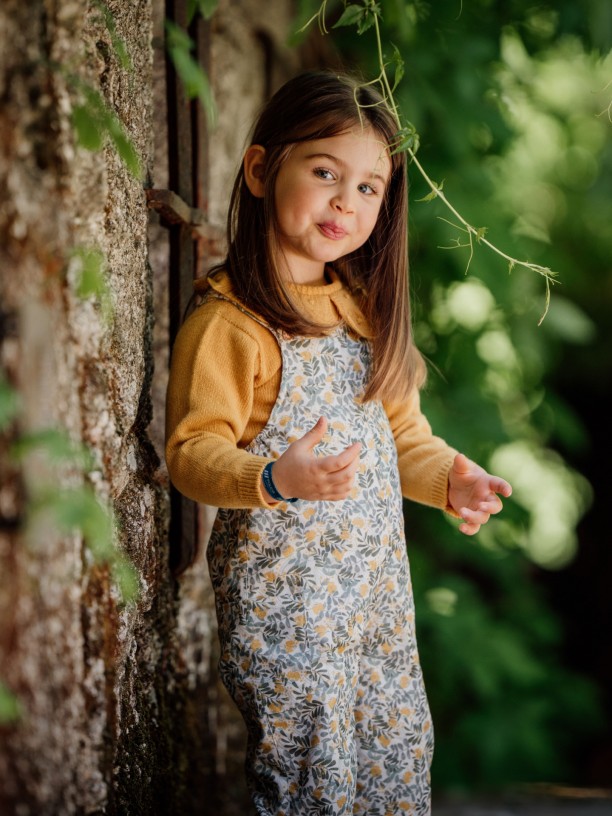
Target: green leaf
{"points": [[369, 16], [79, 509], [351, 15], [86, 123], [442, 601], [434, 193], [406, 139], [190, 72], [569, 322], [10, 710], [176, 37], [9, 403], [398, 61], [91, 277], [206, 8], [94, 121], [126, 578], [119, 45], [125, 148], [56, 445]]}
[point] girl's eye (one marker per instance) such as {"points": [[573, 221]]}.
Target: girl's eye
{"points": [[367, 189], [322, 173]]}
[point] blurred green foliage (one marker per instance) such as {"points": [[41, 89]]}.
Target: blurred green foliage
{"points": [[511, 103], [59, 494], [10, 710], [193, 77]]}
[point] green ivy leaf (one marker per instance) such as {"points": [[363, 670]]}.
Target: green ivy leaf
{"points": [[126, 578], [10, 710], [398, 61], [434, 193], [9, 403], [91, 277], [206, 9], [368, 17], [351, 15], [405, 139], [78, 509], [124, 147], [88, 129], [192, 75], [119, 45], [94, 121], [56, 445]]}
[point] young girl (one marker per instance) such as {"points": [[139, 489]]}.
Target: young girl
{"points": [[293, 405]]}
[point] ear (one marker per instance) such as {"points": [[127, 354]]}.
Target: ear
{"points": [[254, 164]]}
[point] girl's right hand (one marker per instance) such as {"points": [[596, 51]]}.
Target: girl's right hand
{"points": [[299, 474]]}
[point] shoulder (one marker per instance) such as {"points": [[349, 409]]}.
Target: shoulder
{"points": [[219, 329], [219, 307]]}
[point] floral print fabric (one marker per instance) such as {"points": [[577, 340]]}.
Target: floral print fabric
{"points": [[315, 611]]}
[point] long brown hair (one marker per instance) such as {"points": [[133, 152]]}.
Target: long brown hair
{"points": [[318, 105]]}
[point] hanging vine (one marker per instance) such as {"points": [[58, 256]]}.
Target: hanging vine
{"points": [[365, 16]]}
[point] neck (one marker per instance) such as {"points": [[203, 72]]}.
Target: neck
{"points": [[316, 278], [303, 274]]}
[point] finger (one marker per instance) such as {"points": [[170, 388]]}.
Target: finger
{"points": [[331, 464], [501, 486], [461, 464], [477, 517], [312, 438], [492, 506], [469, 529], [341, 479]]}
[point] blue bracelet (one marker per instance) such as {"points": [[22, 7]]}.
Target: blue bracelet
{"points": [[270, 486]]}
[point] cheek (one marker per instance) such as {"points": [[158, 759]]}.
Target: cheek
{"points": [[291, 205], [371, 218]]}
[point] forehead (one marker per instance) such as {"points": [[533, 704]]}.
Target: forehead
{"points": [[362, 149]]}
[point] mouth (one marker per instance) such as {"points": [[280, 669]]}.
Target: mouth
{"points": [[332, 230]]}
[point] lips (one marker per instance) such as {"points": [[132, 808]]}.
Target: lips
{"points": [[332, 230]]}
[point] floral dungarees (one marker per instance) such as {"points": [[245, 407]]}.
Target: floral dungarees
{"points": [[315, 611]]}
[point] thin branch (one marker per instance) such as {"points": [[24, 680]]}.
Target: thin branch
{"points": [[404, 144]]}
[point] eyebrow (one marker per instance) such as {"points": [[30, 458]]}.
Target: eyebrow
{"points": [[342, 163]]}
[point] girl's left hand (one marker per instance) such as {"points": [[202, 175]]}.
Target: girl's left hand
{"points": [[472, 493]]}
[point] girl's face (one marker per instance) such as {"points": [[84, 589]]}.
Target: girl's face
{"points": [[328, 195]]}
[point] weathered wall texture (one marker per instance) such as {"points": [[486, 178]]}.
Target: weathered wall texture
{"points": [[96, 684], [120, 709]]}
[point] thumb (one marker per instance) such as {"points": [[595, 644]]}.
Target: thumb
{"points": [[461, 464], [315, 434]]}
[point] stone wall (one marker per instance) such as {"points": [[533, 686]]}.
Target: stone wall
{"points": [[119, 709], [94, 679]]}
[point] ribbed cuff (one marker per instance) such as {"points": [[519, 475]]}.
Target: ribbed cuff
{"points": [[439, 488], [249, 483]]}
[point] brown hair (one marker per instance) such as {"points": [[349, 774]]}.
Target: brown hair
{"points": [[318, 105]]}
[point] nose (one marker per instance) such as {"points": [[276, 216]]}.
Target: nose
{"points": [[342, 201]]}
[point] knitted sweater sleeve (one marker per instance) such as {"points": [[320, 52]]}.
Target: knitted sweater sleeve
{"points": [[216, 368], [424, 459]]}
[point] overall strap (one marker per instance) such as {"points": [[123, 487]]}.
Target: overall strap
{"points": [[218, 296]]}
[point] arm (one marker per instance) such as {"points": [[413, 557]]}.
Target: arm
{"points": [[424, 460], [216, 375], [216, 368], [433, 473]]}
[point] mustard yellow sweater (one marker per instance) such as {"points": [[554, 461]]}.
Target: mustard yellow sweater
{"points": [[224, 380]]}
